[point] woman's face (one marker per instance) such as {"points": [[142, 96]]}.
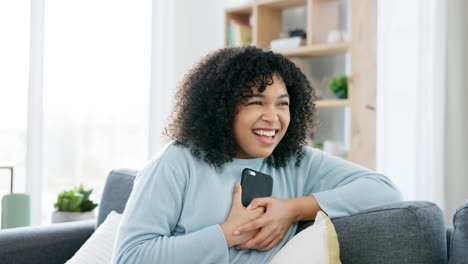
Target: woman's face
{"points": [[262, 120]]}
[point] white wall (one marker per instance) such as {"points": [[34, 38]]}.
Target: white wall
{"points": [[422, 95], [184, 31], [411, 96], [199, 29]]}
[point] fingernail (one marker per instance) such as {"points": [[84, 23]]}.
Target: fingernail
{"points": [[237, 232]]}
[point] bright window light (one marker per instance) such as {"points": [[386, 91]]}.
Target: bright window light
{"points": [[14, 72], [96, 92]]}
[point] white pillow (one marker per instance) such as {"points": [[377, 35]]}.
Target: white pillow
{"points": [[316, 244], [98, 248]]}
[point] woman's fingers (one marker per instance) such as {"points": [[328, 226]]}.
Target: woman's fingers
{"points": [[271, 244], [260, 239], [273, 224], [267, 241], [264, 202], [237, 199], [252, 225]]}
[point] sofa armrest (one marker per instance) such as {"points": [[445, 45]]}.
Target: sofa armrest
{"points": [[44, 244], [406, 232]]}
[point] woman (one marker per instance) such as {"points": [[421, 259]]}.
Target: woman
{"points": [[239, 108]]}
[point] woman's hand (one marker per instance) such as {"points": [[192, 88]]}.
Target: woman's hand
{"points": [[238, 216], [274, 223]]}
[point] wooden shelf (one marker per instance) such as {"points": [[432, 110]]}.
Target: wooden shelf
{"points": [[317, 50], [240, 10], [281, 3], [268, 3], [333, 103], [242, 13], [321, 18]]}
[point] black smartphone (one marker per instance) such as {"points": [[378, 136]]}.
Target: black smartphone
{"points": [[255, 184]]}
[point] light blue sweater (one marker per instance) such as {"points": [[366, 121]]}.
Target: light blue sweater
{"points": [[178, 203]]}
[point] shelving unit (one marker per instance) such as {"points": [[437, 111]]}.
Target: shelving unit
{"points": [[317, 50], [323, 16], [332, 103]]}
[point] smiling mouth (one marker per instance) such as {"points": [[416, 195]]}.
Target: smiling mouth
{"points": [[266, 136]]}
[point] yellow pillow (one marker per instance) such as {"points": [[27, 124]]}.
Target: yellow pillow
{"points": [[316, 244]]}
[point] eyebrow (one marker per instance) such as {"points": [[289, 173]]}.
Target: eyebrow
{"points": [[263, 96]]}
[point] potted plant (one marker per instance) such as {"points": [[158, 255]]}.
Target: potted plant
{"points": [[74, 205], [339, 86]]}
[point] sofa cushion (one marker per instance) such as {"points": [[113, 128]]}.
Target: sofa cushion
{"points": [[459, 239], [316, 244], [119, 185], [99, 247]]}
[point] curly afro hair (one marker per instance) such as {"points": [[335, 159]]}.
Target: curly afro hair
{"points": [[206, 101]]}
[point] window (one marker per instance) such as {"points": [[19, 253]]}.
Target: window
{"points": [[96, 93], [14, 71]]}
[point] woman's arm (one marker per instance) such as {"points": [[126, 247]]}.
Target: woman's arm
{"points": [[152, 213], [304, 208], [342, 188], [338, 187]]}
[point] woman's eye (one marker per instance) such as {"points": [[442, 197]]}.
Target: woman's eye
{"points": [[255, 103], [284, 104]]}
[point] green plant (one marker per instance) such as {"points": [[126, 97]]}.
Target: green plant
{"points": [[339, 86], [76, 200], [318, 144]]}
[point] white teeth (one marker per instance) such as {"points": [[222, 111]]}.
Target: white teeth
{"points": [[269, 133]]}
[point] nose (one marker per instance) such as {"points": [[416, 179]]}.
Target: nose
{"points": [[270, 114]]}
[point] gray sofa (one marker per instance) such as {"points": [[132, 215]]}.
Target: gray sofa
{"points": [[407, 232]]}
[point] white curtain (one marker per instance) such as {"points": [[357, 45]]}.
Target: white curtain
{"points": [[35, 112], [185, 32], [162, 70], [88, 96], [411, 101], [456, 155]]}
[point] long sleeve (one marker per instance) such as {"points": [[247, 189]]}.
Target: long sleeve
{"points": [[146, 233], [342, 188]]}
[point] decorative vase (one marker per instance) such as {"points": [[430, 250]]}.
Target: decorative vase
{"points": [[60, 217]]}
